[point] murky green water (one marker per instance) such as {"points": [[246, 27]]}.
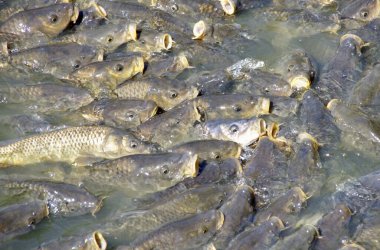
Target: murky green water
{"points": [[272, 40]]}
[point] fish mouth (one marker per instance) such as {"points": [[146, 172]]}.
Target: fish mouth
{"points": [[98, 241], [300, 82], [4, 49], [332, 104], [183, 62], [327, 2], [192, 171], [165, 42], [273, 130], [46, 211], [356, 38], [154, 111], [100, 11], [257, 128], [199, 30], [90, 117], [307, 137], [98, 206], [301, 194], [261, 126], [194, 92], [277, 222], [228, 6]]}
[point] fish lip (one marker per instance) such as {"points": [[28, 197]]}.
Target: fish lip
{"points": [[332, 104], [301, 194], [98, 206], [277, 222], [261, 124], [194, 163], [258, 128], [307, 137], [273, 130], [238, 153], [164, 41], [264, 105], [99, 240], [132, 31], [327, 2], [220, 218], [300, 82], [100, 55], [168, 41], [194, 92], [357, 39], [182, 59], [228, 6], [139, 64], [46, 211], [101, 11], [75, 14], [154, 111], [199, 30]]}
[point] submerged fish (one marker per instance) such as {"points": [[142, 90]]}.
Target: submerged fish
{"points": [[146, 172], [18, 218], [61, 198], [186, 232]]}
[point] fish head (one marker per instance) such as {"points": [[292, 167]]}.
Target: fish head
{"points": [[364, 10], [121, 70], [296, 200], [52, 20], [171, 93], [130, 115], [242, 131]]}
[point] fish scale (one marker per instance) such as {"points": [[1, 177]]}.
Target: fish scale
{"points": [[67, 145]]}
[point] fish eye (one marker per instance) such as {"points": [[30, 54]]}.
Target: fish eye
{"points": [[292, 207], [173, 94], [364, 13], [221, 201], [130, 115], [237, 108], [53, 18], [133, 144], [165, 171], [76, 64], [174, 7], [291, 67], [32, 221], [119, 67], [234, 129], [204, 230], [217, 156], [109, 39], [266, 90]]}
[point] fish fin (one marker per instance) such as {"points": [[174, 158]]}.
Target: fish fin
{"points": [[85, 161]]}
